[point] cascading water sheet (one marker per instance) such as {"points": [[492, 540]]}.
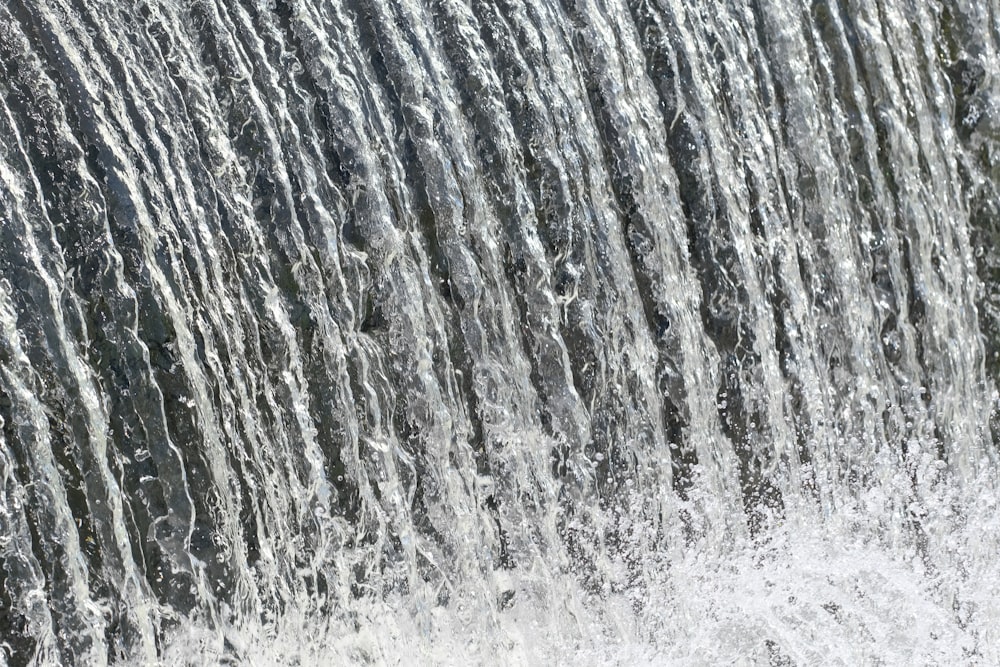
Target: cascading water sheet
{"points": [[499, 332]]}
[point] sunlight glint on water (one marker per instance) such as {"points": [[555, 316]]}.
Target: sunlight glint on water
{"points": [[455, 332]]}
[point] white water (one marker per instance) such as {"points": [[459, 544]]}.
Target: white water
{"points": [[445, 332], [806, 596]]}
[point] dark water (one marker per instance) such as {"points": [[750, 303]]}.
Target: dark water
{"points": [[448, 308]]}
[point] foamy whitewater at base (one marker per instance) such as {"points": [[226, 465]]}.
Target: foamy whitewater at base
{"points": [[801, 596], [579, 332]]}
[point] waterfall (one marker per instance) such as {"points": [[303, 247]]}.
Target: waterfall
{"points": [[499, 332]]}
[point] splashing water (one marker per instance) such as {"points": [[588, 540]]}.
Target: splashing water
{"points": [[499, 332]]}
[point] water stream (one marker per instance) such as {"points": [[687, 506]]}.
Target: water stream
{"points": [[499, 332]]}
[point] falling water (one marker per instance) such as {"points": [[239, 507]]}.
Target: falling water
{"points": [[499, 331]]}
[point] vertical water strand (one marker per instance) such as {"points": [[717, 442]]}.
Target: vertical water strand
{"points": [[572, 308], [947, 262], [196, 266], [740, 316], [195, 167], [883, 395], [888, 356], [26, 587], [271, 396], [579, 225], [744, 122], [301, 329], [629, 210], [25, 612], [968, 44], [574, 297], [322, 318], [112, 534], [398, 432], [701, 313], [549, 284], [47, 466], [443, 483], [157, 256], [829, 263], [736, 122], [515, 453], [54, 600], [452, 228], [758, 143], [454, 223], [422, 420], [372, 448], [675, 50]]}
